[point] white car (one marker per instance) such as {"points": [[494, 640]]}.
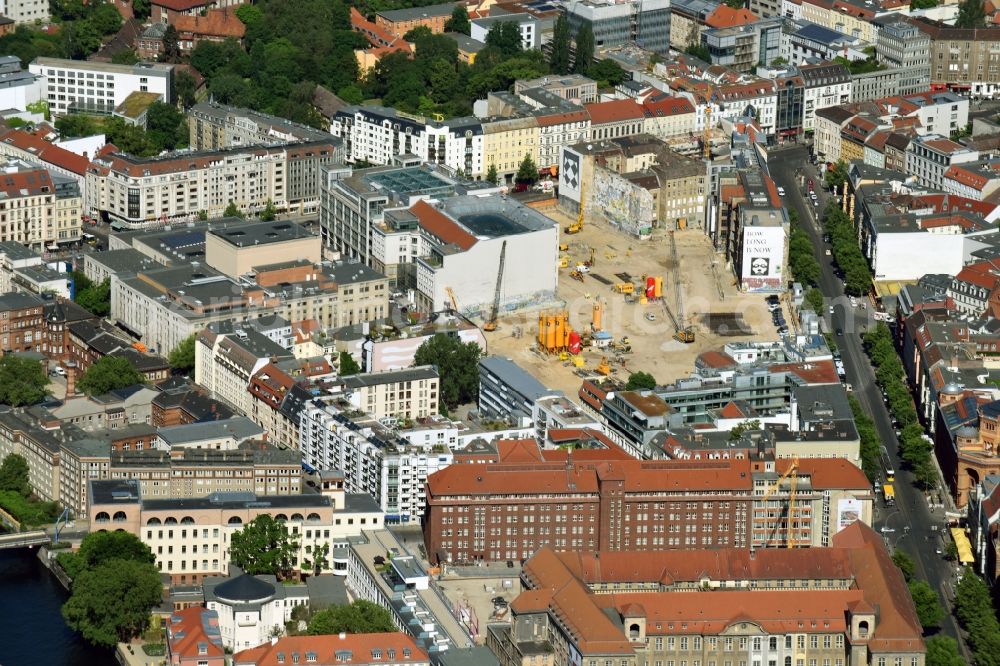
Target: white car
{"points": [[583, 268], [650, 316], [781, 191], [59, 370]]}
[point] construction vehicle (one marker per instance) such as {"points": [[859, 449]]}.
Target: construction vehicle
{"points": [[590, 263], [491, 323], [451, 297], [564, 262], [576, 275], [603, 368], [563, 247], [577, 226], [624, 288], [685, 335], [792, 475]]}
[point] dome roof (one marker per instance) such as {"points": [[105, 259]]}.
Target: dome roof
{"points": [[951, 388], [244, 588], [967, 431]]}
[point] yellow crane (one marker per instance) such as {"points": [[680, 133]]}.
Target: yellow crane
{"points": [[706, 139], [792, 475], [451, 297], [491, 323], [577, 226]]}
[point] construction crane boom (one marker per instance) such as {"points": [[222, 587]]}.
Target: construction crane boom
{"points": [[706, 139], [491, 323], [792, 474], [451, 297], [577, 226]]}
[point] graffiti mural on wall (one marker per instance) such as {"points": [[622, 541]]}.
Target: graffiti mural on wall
{"points": [[624, 203]]}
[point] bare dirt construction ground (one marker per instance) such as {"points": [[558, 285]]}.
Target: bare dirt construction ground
{"points": [[705, 294]]}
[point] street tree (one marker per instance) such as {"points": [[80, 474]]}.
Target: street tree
{"points": [[269, 213], [360, 617], [263, 546], [559, 56], [457, 364], [942, 651], [111, 602], [527, 172], [905, 564], [491, 174], [232, 210], [640, 380], [584, 59], [14, 475], [22, 381], [926, 601], [109, 373], [182, 357]]}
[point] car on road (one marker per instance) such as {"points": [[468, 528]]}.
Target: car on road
{"points": [[650, 316], [781, 191], [499, 601], [782, 330], [840, 331], [59, 370], [831, 309]]}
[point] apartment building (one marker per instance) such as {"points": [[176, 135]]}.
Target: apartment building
{"points": [[33, 149], [190, 538], [929, 157], [364, 650], [22, 324], [574, 504], [19, 88], [214, 126], [38, 209], [254, 467], [824, 84], [666, 116], [846, 604], [398, 22], [688, 19], [646, 24], [506, 141], [81, 86], [25, 11], [963, 58], [744, 47], [412, 393], [226, 357], [137, 192]]}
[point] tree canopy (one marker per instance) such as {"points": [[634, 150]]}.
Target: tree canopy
{"points": [[347, 365], [559, 56], [926, 601], [527, 172], [22, 380], [94, 297], [14, 475], [109, 373], [360, 617], [975, 612], [263, 546], [640, 380], [458, 365], [943, 651], [459, 21], [971, 14], [99, 547], [111, 602], [584, 59], [182, 357]]}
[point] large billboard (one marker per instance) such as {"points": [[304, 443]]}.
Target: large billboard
{"points": [[848, 511], [763, 258], [570, 174]]}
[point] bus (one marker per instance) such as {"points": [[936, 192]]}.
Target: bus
{"points": [[889, 493], [890, 474]]}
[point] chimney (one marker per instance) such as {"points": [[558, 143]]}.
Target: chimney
{"points": [[70, 378]]}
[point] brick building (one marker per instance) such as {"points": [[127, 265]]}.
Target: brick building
{"points": [[22, 322], [507, 511]]}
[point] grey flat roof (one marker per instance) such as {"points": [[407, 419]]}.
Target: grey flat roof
{"points": [[361, 503], [413, 13], [391, 376], [495, 216], [515, 376], [120, 262], [106, 491], [261, 233], [348, 273], [239, 427], [16, 300], [16, 250], [239, 501]]}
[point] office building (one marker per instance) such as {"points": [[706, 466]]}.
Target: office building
{"points": [[82, 86], [214, 126], [646, 24]]}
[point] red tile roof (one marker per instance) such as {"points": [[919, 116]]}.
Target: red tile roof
{"points": [[725, 16], [26, 183], [960, 174], [45, 151], [442, 226], [186, 631], [716, 359], [215, 23], [614, 111], [182, 5], [329, 648], [667, 106]]}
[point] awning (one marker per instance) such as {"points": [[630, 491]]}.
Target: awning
{"points": [[964, 547]]}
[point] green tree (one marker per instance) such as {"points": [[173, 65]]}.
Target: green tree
{"points": [[14, 475], [232, 210], [263, 546], [109, 373], [319, 558], [249, 15], [182, 356], [79, 39], [942, 651], [584, 59], [348, 366], [202, 215], [457, 364], [527, 172], [606, 73], [905, 564], [269, 213], [505, 37], [166, 128], [699, 51], [185, 86], [112, 601], [926, 601], [125, 57], [99, 547], [171, 45], [96, 298], [559, 56], [22, 381], [837, 176], [459, 21], [971, 14], [640, 380], [491, 174], [105, 19], [360, 617], [814, 297], [141, 9], [743, 427]]}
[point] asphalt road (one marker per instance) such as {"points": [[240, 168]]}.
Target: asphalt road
{"points": [[915, 527]]}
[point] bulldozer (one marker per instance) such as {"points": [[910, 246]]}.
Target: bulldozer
{"points": [[563, 262], [563, 247], [576, 275], [685, 335], [603, 368]]}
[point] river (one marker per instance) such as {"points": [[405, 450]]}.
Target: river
{"points": [[34, 631]]}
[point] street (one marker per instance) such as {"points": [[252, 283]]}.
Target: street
{"points": [[911, 509]]}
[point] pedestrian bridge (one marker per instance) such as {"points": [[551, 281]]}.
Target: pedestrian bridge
{"points": [[24, 539]]}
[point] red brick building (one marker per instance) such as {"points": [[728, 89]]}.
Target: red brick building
{"points": [[577, 501], [22, 323]]}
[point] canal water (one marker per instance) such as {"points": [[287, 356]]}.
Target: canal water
{"points": [[34, 630]]}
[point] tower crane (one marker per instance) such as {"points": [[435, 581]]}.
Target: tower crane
{"points": [[451, 297], [793, 477], [491, 323]]}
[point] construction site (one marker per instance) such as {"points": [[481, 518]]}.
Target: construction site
{"points": [[630, 305]]}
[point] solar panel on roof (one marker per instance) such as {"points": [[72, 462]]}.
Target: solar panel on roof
{"points": [[184, 239]]}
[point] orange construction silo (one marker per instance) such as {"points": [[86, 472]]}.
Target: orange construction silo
{"points": [[550, 333], [658, 288], [541, 330], [598, 309], [560, 332]]}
